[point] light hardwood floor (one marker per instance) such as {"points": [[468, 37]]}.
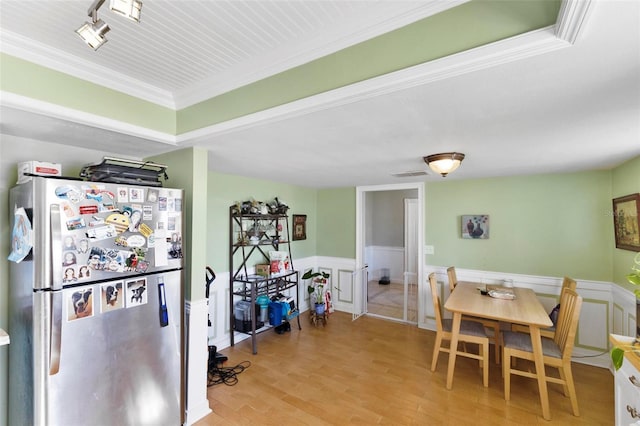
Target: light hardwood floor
{"points": [[374, 371], [387, 300]]}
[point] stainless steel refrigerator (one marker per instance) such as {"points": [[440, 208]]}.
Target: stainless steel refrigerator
{"points": [[96, 304]]}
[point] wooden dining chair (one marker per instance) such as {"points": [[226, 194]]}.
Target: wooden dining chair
{"points": [[470, 332], [548, 332], [556, 352], [493, 325]]}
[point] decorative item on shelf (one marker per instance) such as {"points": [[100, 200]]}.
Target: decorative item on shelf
{"points": [[242, 239], [252, 206], [280, 262], [617, 353], [262, 269]]}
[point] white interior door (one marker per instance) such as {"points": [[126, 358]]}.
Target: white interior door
{"points": [[360, 280]]}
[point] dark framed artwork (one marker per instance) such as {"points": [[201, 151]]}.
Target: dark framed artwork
{"points": [[626, 222], [475, 226], [299, 227]]}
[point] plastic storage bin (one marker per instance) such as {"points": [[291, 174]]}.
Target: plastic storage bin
{"points": [[242, 316], [275, 313]]}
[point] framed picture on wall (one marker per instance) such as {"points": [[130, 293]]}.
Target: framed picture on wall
{"points": [[299, 227], [626, 222], [475, 226]]}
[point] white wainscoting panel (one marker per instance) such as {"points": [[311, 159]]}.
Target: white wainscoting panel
{"points": [[618, 320], [379, 257], [345, 288], [625, 300], [593, 330]]}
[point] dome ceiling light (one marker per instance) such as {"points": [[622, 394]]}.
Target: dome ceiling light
{"points": [[444, 163]]}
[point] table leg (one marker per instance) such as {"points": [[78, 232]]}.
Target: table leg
{"points": [[536, 343], [455, 330]]}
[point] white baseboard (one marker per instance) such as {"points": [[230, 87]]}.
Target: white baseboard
{"points": [[196, 413]]}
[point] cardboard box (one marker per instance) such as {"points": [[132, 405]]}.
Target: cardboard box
{"points": [[39, 168], [262, 269]]}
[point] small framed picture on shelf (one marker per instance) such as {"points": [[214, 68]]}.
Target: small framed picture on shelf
{"points": [[299, 227], [626, 222]]}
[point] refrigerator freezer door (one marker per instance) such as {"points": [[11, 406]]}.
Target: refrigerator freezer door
{"points": [[103, 231], [118, 364]]}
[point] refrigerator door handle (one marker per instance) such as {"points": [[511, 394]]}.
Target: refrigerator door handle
{"points": [[56, 241], [56, 333]]}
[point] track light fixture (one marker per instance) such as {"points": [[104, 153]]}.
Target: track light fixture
{"points": [[444, 163], [93, 32], [130, 9]]}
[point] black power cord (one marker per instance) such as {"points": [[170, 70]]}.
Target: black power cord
{"points": [[226, 375], [217, 374]]}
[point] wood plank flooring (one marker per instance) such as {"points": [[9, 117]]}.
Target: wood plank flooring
{"points": [[387, 300], [373, 371]]}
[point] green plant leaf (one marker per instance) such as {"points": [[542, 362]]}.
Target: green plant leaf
{"points": [[310, 274], [617, 357], [634, 279]]}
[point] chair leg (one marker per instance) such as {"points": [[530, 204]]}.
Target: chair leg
{"points": [[485, 364], [572, 389], [436, 352], [498, 342], [563, 377], [496, 339], [506, 373]]}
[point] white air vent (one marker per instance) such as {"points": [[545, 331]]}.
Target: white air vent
{"points": [[409, 174]]}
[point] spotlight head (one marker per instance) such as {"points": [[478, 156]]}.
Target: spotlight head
{"points": [[93, 33], [130, 9]]}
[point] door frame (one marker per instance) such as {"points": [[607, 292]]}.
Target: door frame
{"points": [[361, 191], [410, 250]]}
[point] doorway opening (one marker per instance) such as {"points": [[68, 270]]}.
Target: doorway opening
{"points": [[389, 247]]}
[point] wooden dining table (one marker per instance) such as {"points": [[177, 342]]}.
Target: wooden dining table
{"points": [[525, 309]]}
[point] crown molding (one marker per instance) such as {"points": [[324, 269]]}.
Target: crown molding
{"points": [[23, 103], [313, 49], [572, 17], [55, 59], [513, 49]]}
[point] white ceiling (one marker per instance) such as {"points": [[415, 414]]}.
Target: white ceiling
{"points": [[566, 108]]}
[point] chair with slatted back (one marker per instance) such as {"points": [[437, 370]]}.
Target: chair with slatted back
{"points": [[556, 351], [547, 332], [493, 325], [470, 332]]}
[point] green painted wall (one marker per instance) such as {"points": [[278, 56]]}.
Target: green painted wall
{"points": [[185, 167], [626, 181], [336, 222], [225, 190], [464, 27], [552, 225], [37, 82]]}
